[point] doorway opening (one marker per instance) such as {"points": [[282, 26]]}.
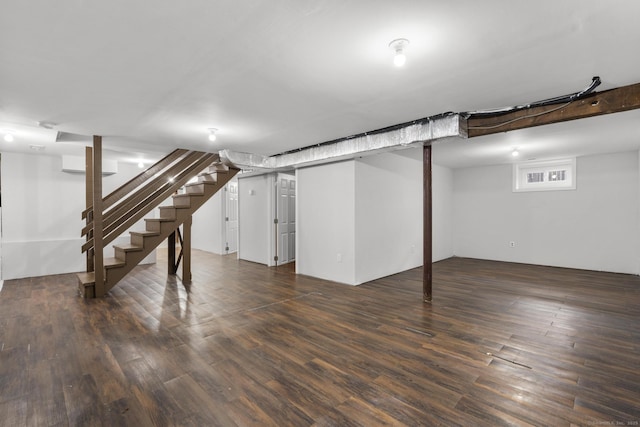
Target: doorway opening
{"points": [[285, 219], [231, 217]]}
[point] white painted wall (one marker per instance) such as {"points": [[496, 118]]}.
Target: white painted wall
{"points": [[325, 237], [388, 214], [442, 212], [207, 230], [41, 220], [255, 218], [368, 213], [593, 227]]}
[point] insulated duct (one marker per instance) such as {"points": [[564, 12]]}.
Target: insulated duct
{"points": [[388, 139]]}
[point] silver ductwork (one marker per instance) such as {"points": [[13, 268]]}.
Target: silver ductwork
{"points": [[424, 131]]}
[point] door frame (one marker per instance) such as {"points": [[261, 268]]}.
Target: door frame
{"points": [[274, 234], [224, 232]]}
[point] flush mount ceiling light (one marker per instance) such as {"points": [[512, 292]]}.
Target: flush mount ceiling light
{"points": [[8, 135], [140, 164], [515, 152], [398, 46], [212, 134]]}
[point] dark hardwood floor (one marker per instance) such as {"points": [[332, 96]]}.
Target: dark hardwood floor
{"points": [[501, 344]]}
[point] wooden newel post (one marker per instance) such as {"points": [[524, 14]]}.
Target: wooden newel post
{"points": [[427, 226], [171, 254], [98, 244], [88, 181], [186, 250]]}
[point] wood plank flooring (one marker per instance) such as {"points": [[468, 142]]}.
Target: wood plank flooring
{"points": [[247, 345]]}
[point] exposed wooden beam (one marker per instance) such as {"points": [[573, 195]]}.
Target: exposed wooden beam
{"points": [[427, 240], [606, 102]]}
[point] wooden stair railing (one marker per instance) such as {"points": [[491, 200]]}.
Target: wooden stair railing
{"points": [[137, 198], [142, 201], [117, 194]]}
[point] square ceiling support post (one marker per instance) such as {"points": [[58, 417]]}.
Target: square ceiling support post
{"points": [[427, 239]]}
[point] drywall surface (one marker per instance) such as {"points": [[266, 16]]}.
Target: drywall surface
{"points": [[41, 215], [206, 229], [325, 236], [594, 227], [368, 214], [442, 212], [388, 214]]}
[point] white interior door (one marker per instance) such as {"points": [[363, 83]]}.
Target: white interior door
{"points": [[231, 217], [286, 215]]}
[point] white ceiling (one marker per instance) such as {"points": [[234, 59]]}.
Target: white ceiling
{"points": [[275, 75]]}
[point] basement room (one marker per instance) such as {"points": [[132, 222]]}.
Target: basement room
{"points": [[319, 213]]}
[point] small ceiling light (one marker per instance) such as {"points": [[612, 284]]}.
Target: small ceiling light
{"points": [[398, 46], [515, 152], [140, 165], [8, 135], [212, 134]]}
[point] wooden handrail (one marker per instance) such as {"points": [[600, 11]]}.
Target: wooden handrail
{"points": [[153, 200], [134, 198], [136, 181]]}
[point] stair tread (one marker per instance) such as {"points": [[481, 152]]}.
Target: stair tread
{"points": [[112, 262], [87, 279], [159, 219], [179, 196], [145, 233], [220, 167], [129, 247], [193, 184]]}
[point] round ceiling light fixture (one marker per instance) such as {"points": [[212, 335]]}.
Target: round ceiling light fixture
{"points": [[8, 135], [515, 152], [212, 134], [399, 46]]}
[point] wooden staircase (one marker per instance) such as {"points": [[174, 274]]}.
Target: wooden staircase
{"points": [[169, 179]]}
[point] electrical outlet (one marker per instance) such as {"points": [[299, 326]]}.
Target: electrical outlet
{"points": [[512, 244]]}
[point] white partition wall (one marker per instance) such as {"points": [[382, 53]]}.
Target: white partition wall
{"points": [[326, 222], [388, 214], [360, 220], [442, 212]]}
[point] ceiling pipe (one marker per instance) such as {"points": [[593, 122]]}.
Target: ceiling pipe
{"points": [[388, 139]]}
